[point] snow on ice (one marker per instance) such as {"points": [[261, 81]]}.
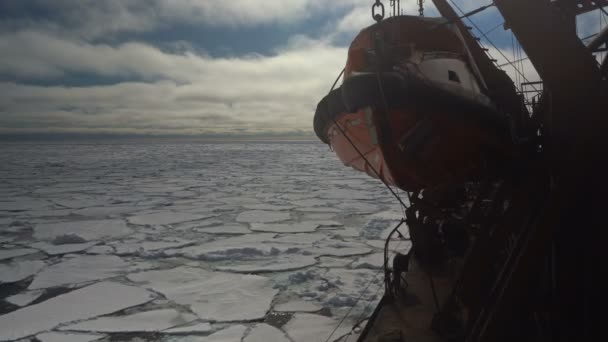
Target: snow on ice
{"points": [[19, 270], [87, 230], [262, 216], [146, 321], [91, 301], [213, 296], [79, 269]]}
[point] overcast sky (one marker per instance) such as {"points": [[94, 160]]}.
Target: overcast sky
{"points": [[180, 66]]}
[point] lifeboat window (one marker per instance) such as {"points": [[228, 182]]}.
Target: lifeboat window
{"points": [[453, 76]]}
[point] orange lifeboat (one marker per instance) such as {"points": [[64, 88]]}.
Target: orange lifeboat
{"points": [[411, 109]]}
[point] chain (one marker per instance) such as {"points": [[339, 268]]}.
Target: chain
{"points": [[378, 6]]}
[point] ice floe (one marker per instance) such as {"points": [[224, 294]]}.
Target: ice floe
{"points": [[231, 334], [278, 264], [262, 216], [17, 252], [87, 230], [190, 329], [24, 298], [224, 229], [79, 269], [165, 218], [52, 249], [375, 260], [213, 296], [271, 207], [146, 321], [104, 211], [297, 306], [147, 247], [243, 247], [305, 327], [91, 301], [19, 270], [300, 227], [265, 333], [68, 337]]}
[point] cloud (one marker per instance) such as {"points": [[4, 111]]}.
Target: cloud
{"points": [[174, 92]]}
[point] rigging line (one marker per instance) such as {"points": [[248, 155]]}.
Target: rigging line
{"points": [[494, 28], [343, 131], [353, 306], [489, 41]]}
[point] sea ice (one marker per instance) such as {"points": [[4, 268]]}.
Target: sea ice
{"points": [[231, 334], [227, 229], [375, 260], [91, 301], [278, 264], [88, 230], [79, 269], [13, 253], [22, 203], [67, 337], [19, 270], [243, 247], [51, 249], [297, 306], [265, 333], [261, 216], [301, 227], [190, 329], [148, 247], [318, 210], [271, 207], [165, 218], [85, 202], [101, 212], [334, 262], [213, 296], [305, 327], [24, 298], [105, 249], [154, 320]]}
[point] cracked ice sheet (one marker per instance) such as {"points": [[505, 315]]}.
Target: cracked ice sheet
{"points": [[165, 218], [147, 321], [189, 329], [233, 333], [87, 302], [300, 227], [79, 269], [262, 216], [265, 333], [297, 306], [51, 249], [375, 260], [240, 247], [67, 337], [19, 270], [228, 229], [147, 247], [24, 298], [278, 264], [13, 253], [213, 296], [101, 212], [304, 327], [88, 230]]}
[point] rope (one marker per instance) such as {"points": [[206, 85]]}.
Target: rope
{"points": [[343, 131], [353, 306], [491, 43]]}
